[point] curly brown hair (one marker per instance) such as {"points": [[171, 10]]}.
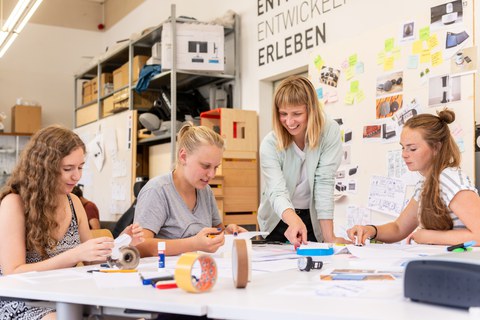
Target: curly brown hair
{"points": [[35, 180], [434, 130]]}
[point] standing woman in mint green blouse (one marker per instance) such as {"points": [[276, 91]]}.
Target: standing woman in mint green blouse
{"points": [[298, 161]]}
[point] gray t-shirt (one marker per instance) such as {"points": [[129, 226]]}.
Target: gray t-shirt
{"points": [[161, 209]]}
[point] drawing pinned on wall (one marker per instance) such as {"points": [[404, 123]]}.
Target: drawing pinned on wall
{"points": [[446, 14], [387, 106], [372, 132], [358, 216], [329, 76], [111, 145], [396, 168], [96, 151], [389, 83], [443, 89], [464, 62], [386, 195], [408, 31]]}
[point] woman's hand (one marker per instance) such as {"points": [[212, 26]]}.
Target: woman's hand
{"points": [[96, 249], [358, 234], [209, 239], [136, 232], [341, 240], [234, 229]]}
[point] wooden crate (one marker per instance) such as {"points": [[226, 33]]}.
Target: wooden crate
{"points": [[241, 218], [239, 128]]}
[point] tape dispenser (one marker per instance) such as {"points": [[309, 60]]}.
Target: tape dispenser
{"points": [[123, 255]]}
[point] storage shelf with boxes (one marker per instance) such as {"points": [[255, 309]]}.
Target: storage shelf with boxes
{"points": [[236, 184]]}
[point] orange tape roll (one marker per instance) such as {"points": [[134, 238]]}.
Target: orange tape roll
{"points": [[241, 264], [185, 279]]}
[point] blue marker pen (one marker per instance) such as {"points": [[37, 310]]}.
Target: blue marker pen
{"points": [[462, 245]]}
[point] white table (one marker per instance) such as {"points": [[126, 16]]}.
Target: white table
{"points": [[267, 296]]}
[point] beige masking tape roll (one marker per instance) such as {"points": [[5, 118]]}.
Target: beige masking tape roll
{"points": [[185, 279], [240, 263]]}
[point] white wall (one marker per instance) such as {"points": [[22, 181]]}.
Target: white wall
{"points": [[40, 66]]}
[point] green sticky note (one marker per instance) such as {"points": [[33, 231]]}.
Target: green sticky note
{"points": [[349, 98], [354, 86], [425, 33], [318, 61], [389, 44], [352, 60]]}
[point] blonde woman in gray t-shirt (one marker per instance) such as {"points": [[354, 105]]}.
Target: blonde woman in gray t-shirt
{"points": [[179, 207]]}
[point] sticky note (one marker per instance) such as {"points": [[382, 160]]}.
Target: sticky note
{"points": [[359, 67], [432, 41], [349, 73], [319, 93], [349, 98], [352, 60], [389, 44], [396, 53], [354, 86], [388, 64], [318, 62], [425, 56], [412, 62], [425, 33], [360, 96], [417, 47], [381, 57], [437, 58]]}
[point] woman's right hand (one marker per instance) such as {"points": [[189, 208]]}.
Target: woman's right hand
{"points": [[96, 249], [209, 239], [358, 234], [297, 231]]}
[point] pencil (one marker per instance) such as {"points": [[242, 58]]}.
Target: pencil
{"points": [[118, 271]]}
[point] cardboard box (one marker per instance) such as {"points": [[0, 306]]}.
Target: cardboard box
{"points": [[138, 63], [199, 47], [86, 115], [26, 119], [107, 106], [120, 77], [105, 80]]}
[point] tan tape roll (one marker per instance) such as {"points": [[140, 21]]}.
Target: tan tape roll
{"points": [[240, 263], [185, 279]]}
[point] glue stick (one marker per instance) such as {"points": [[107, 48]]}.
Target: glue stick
{"points": [[161, 255]]}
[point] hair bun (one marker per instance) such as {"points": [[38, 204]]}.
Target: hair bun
{"points": [[447, 116]]}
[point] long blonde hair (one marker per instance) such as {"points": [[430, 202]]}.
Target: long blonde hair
{"points": [[296, 91], [36, 180], [434, 130], [191, 137]]}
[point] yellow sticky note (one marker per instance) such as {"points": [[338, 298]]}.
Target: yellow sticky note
{"points": [[349, 98], [396, 53], [389, 44], [432, 41], [349, 73], [437, 58], [360, 96], [318, 61], [354, 86], [381, 57], [352, 60], [425, 33], [388, 64], [417, 47], [425, 56]]}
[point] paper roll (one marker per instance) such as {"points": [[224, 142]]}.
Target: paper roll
{"points": [[240, 263], [187, 281]]}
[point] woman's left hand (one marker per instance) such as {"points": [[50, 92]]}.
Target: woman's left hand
{"points": [[136, 232], [234, 229]]}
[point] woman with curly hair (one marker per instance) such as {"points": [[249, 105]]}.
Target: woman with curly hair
{"points": [[42, 225], [445, 208]]}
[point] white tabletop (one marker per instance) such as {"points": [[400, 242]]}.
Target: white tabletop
{"points": [[283, 294]]}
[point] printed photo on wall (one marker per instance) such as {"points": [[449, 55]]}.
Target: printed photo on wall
{"points": [[372, 132], [464, 61], [390, 83], [410, 110], [329, 76], [389, 132], [387, 106], [443, 89], [408, 31], [446, 14]]}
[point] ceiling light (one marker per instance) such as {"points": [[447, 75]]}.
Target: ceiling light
{"points": [[15, 23]]}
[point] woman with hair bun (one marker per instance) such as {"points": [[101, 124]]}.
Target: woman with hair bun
{"points": [[179, 207], [445, 207]]}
